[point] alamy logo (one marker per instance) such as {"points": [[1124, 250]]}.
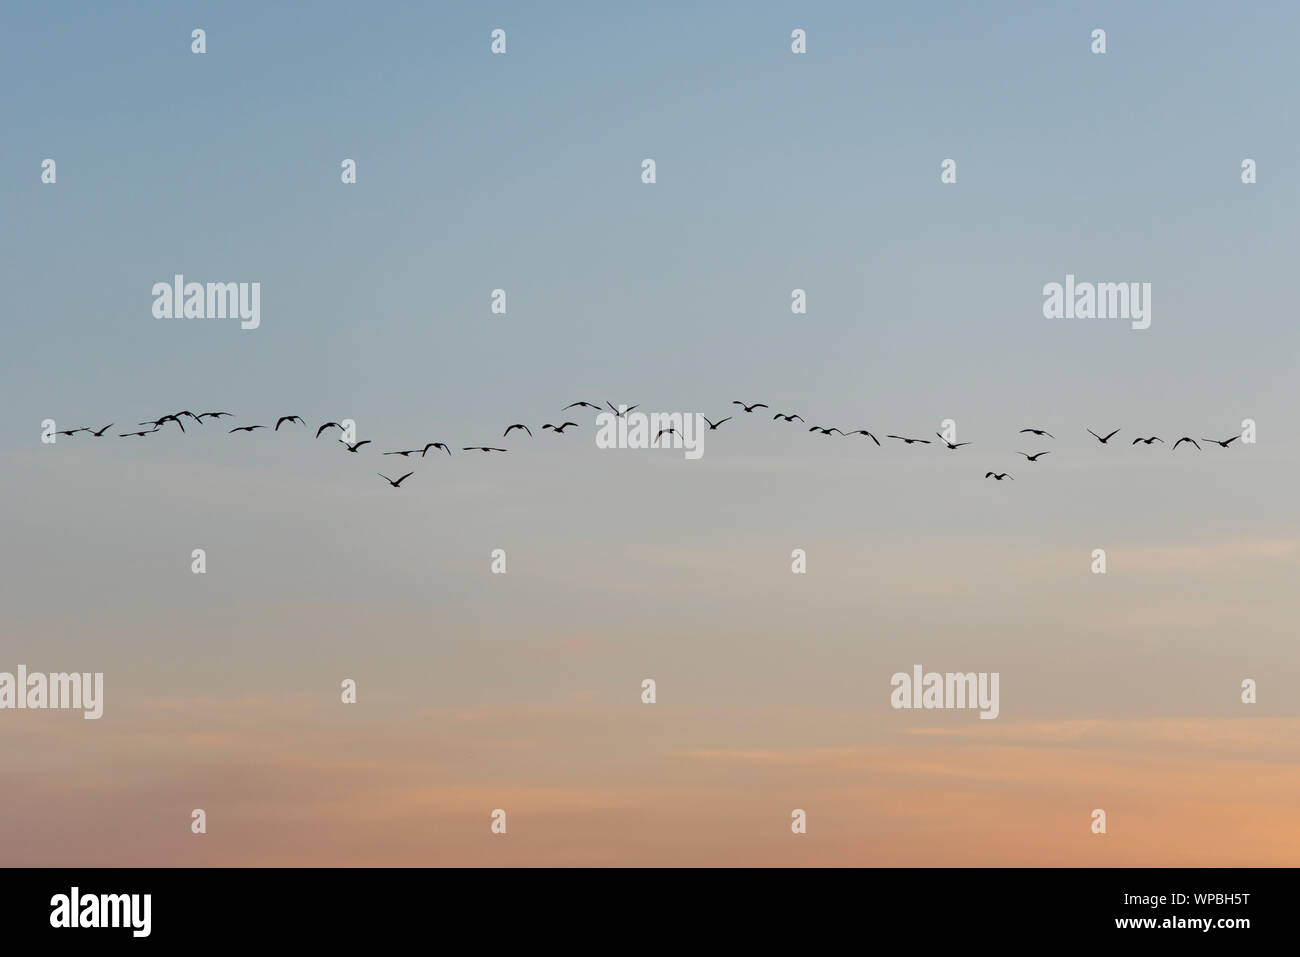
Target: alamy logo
{"points": [[950, 690], [102, 910], [57, 690], [214, 300], [1103, 300], [626, 429]]}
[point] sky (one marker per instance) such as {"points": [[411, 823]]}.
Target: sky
{"points": [[522, 691]]}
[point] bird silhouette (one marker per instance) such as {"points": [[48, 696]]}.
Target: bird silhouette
{"points": [[1148, 441], [74, 431], [1100, 439], [951, 445], [328, 425], [481, 448], [288, 418], [212, 415], [145, 432], [1187, 439], [789, 418], [616, 412], [517, 426], [818, 428], [395, 483], [864, 432], [999, 476], [585, 405], [1032, 458], [435, 445], [353, 448], [100, 433], [748, 408], [713, 425], [560, 428], [404, 454], [246, 428], [1225, 443], [903, 438], [1039, 432]]}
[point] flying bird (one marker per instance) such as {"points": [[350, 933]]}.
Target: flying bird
{"points": [[192, 416], [1039, 432], [517, 426], [748, 408], [818, 428], [671, 431], [158, 423], [560, 428], [864, 432], [903, 438], [123, 435], [481, 448], [1225, 443], [1186, 439], [100, 433], [1100, 439], [328, 425], [952, 445], [585, 405], [999, 476], [789, 418], [395, 483], [288, 418], [353, 448], [713, 425], [406, 453], [435, 445], [1033, 458], [616, 412], [246, 428], [75, 431], [212, 415], [1154, 438]]}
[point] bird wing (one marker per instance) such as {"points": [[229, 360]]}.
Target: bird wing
{"points": [[1112, 433], [1094, 434]]}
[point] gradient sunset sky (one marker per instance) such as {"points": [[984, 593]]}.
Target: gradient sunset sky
{"points": [[522, 691]]}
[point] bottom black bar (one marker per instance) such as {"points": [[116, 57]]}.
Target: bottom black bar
{"points": [[656, 907]]}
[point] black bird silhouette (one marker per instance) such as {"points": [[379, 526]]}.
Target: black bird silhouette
{"points": [[1032, 458], [123, 435], [1225, 443], [100, 433], [951, 445], [671, 431], [713, 425], [616, 412], [818, 428], [789, 418], [1154, 438], [1100, 439], [75, 431], [585, 405], [328, 425], [288, 418], [404, 454], [353, 448], [1039, 432], [903, 438], [435, 445], [999, 476], [748, 408], [191, 415], [481, 448], [158, 423], [1187, 439], [560, 428], [247, 428], [864, 432], [395, 483], [517, 426], [211, 415]]}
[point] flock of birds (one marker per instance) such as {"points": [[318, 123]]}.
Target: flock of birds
{"points": [[750, 408]]}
